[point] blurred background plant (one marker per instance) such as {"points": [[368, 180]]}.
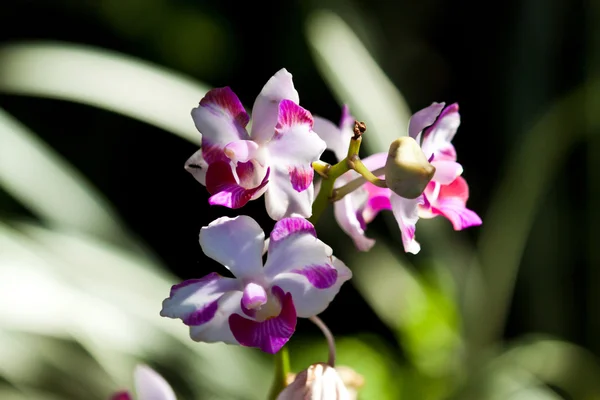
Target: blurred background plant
{"points": [[98, 217]]}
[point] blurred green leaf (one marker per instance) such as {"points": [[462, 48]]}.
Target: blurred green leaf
{"points": [[50, 187], [357, 80], [423, 315], [104, 79], [106, 299], [529, 365], [528, 171]]}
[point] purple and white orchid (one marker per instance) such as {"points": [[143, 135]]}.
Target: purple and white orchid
{"points": [[274, 158], [259, 306], [446, 194], [149, 385]]}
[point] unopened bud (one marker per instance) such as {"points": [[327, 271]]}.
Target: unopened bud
{"points": [[407, 171], [322, 382]]}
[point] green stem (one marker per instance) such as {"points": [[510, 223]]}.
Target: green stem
{"points": [[282, 369], [357, 165], [324, 197], [351, 186]]}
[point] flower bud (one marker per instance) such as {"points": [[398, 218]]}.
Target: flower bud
{"points": [[322, 382], [407, 171]]}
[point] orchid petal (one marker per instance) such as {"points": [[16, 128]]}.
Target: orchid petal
{"points": [[460, 216], [269, 335], [149, 385], [243, 151], [293, 244], [237, 243], [295, 146], [337, 139], [451, 202], [281, 199], [196, 166], [375, 161], [218, 330], [423, 118], [379, 200], [406, 212], [221, 119], [254, 296], [446, 171], [266, 105], [225, 187], [438, 137], [300, 263], [199, 303], [292, 151], [314, 286], [346, 215]]}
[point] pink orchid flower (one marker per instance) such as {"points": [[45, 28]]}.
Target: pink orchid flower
{"points": [[446, 194], [149, 385], [259, 306], [274, 158]]}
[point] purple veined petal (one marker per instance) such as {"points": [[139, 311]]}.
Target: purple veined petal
{"points": [[292, 151], [423, 118], [336, 139], [197, 301], [237, 243], [287, 227], [446, 171], [218, 329], [406, 212], [149, 385], [438, 137], [269, 335], [221, 119], [196, 166], [266, 105], [295, 146], [347, 211], [313, 287], [228, 190], [297, 249]]}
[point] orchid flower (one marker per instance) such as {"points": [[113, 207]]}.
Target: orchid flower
{"points": [[259, 306], [445, 195], [149, 385], [274, 158], [448, 192]]}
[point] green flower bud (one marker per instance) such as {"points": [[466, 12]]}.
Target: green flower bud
{"points": [[407, 171]]}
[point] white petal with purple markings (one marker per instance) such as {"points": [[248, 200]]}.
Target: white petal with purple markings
{"points": [[406, 212], [237, 243], [266, 105], [221, 119]]}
